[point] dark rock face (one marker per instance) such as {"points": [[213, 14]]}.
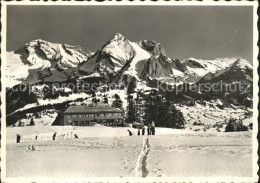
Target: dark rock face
{"points": [[194, 64], [156, 67], [154, 48]]}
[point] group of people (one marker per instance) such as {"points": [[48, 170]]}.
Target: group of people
{"points": [[64, 136], [150, 130]]}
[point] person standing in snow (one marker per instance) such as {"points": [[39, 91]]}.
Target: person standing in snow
{"points": [[54, 136], [153, 128], [138, 133], [143, 131], [149, 129], [18, 138]]}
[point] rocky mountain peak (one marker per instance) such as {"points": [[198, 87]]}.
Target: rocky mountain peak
{"points": [[119, 48], [153, 47], [241, 64], [118, 37]]}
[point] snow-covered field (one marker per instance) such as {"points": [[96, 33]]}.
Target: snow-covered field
{"points": [[46, 132], [211, 117], [100, 151], [109, 152], [228, 155]]}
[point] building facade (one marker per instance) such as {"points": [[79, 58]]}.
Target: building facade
{"points": [[88, 115]]}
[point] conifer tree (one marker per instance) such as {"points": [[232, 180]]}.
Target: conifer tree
{"points": [[131, 115], [32, 122], [131, 86], [162, 111]]}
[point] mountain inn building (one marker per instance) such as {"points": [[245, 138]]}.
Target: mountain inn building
{"points": [[84, 115]]}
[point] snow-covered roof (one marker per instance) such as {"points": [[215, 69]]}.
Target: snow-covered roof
{"points": [[92, 110]]}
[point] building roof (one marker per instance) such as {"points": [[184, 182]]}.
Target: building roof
{"points": [[95, 109]]}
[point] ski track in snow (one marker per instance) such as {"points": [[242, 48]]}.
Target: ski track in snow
{"points": [[141, 168]]}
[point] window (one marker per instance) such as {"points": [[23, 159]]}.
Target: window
{"points": [[86, 115], [69, 116], [80, 115], [74, 116], [81, 123], [90, 115]]}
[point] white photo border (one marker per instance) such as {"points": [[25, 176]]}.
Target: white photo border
{"points": [[254, 178]]}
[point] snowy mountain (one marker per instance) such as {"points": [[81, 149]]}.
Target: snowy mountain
{"points": [[118, 60], [171, 71], [236, 82], [239, 70], [138, 65], [42, 56], [113, 56]]}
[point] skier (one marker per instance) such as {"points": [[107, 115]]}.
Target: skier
{"points": [[138, 133]]}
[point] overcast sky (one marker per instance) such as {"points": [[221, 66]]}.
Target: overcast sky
{"points": [[199, 32]]}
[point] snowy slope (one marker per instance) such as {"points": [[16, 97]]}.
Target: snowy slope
{"points": [[40, 55], [65, 54], [140, 54], [202, 67], [239, 68], [239, 77], [119, 48], [16, 70], [242, 64]]}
